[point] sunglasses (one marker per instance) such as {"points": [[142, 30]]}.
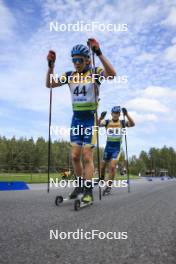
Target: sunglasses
{"points": [[78, 60]]}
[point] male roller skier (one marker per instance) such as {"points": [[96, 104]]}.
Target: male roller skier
{"points": [[84, 107], [114, 140]]}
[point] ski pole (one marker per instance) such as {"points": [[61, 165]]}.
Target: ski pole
{"points": [[127, 164], [51, 60], [96, 117], [49, 139]]}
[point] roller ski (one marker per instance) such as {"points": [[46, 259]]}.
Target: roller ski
{"points": [[84, 200], [72, 196], [107, 190]]}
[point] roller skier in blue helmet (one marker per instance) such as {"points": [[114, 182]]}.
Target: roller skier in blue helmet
{"points": [[114, 132], [84, 107]]}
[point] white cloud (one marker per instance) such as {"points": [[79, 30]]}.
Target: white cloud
{"points": [[147, 104], [7, 22], [146, 56], [170, 53], [150, 11], [154, 100], [171, 19], [127, 50], [143, 118], [173, 40], [159, 92]]}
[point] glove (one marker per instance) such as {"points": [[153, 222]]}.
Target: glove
{"points": [[51, 58], [124, 110], [103, 114], [94, 46]]}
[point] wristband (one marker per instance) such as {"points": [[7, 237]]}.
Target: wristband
{"points": [[97, 51]]}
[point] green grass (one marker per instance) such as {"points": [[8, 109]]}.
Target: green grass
{"points": [[27, 177], [42, 177], [119, 177]]}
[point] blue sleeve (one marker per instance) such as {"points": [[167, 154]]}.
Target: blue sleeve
{"points": [[64, 78], [124, 123]]}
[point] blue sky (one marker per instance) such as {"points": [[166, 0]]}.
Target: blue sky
{"points": [[146, 54]]}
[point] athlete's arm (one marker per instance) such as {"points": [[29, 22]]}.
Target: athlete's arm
{"points": [[109, 70], [102, 123], [130, 121], [50, 80], [102, 116]]}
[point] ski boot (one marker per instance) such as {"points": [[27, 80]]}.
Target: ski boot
{"points": [[85, 199]]}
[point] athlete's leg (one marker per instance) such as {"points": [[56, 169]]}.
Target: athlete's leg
{"points": [[76, 159], [112, 169], [76, 146], [113, 164], [107, 158], [88, 173], [103, 169], [115, 155], [88, 163], [104, 162], [77, 165], [89, 142]]}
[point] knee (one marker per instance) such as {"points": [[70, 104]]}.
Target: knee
{"points": [[113, 168], [103, 165], [87, 157], [75, 157]]}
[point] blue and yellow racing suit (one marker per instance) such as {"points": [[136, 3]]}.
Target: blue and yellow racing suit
{"points": [[114, 138], [84, 105]]}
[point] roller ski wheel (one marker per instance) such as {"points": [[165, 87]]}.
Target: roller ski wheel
{"points": [[107, 191], [59, 199], [80, 203], [72, 196], [77, 204]]}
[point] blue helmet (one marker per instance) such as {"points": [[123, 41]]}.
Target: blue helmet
{"points": [[116, 109], [80, 50]]}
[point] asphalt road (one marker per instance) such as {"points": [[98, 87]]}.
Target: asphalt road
{"points": [[147, 214]]}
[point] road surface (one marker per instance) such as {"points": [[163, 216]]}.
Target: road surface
{"points": [[147, 214]]}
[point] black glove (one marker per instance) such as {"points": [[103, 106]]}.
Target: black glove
{"points": [[103, 114], [124, 110], [93, 43]]}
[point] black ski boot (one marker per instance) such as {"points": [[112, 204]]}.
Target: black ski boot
{"points": [[78, 190]]}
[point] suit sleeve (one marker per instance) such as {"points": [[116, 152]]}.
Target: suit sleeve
{"points": [[99, 72], [64, 78], [103, 123]]}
